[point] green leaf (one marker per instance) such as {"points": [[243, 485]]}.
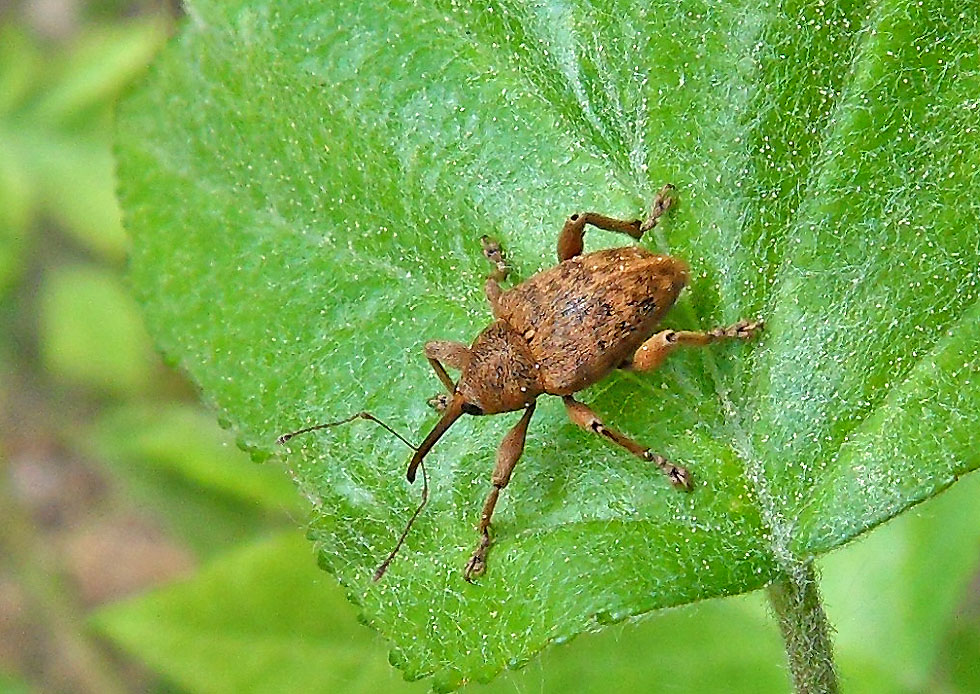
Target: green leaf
{"points": [[187, 443], [307, 186], [91, 333], [299, 634]]}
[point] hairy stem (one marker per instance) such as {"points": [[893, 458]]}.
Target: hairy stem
{"points": [[806, 632]]}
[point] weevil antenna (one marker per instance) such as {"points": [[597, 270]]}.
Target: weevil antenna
{"points": [[380, 571], [425, 477], [360, 415]]}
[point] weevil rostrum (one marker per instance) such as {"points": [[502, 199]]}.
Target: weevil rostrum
{"points": [[557, 333]]}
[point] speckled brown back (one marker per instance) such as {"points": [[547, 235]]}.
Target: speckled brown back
{"points": [[587, 315]]}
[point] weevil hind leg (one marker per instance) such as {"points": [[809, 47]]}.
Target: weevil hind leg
{"points": [[509, 452], [571, 240], [652, 353], [583, 416]]}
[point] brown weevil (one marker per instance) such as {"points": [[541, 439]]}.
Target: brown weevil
{"points": [[557, 333]]}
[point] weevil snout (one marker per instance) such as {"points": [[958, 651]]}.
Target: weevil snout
{"points": [[453, 411]]}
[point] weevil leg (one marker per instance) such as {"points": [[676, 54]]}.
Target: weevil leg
{"points": [[495, 254], [662, 201], [508, 454], [583, 416], [439, 402], [652, 353], [571, 241], [455, 354]]}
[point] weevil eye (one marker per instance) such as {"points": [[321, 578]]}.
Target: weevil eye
{"points": [[470, 408]]}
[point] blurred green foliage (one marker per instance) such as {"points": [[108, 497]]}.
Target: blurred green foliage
{"points": [[55, 131], [11, 685], [91, 332], [174, 459]]}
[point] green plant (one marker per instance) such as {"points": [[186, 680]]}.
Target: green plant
{"points": [[307, 186], [55, 113]]}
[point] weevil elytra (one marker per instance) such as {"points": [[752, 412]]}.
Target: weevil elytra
{"points": [[557, 333]]}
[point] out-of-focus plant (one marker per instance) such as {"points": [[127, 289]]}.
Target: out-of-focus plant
{"points": [[93, 427], [55, 134]]}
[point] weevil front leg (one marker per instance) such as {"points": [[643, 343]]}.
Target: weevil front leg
{"points": [[508, 454], [456, 355], [583, 416], [571, 241], [652, 353], [495, 254]]}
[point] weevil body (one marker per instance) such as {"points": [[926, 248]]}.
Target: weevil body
{"points": [[557, 333], [573, 324]]}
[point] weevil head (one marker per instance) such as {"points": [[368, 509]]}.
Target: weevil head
{"points": [[500, 376]]}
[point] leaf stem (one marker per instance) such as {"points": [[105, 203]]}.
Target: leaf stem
{"points": [[806, 631]]}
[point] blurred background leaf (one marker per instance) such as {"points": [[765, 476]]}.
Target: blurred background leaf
{"points": [[55, 129], [12, 685], [174, 460], [91, 332]]}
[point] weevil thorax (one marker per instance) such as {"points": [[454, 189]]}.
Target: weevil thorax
{"points": [[501, 375]]}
